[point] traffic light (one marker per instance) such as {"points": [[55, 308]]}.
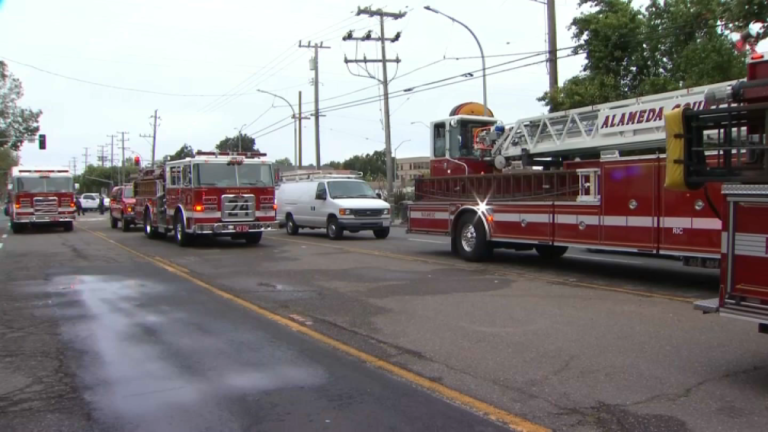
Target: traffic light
{"points": [[137, 161], [41, 141]]}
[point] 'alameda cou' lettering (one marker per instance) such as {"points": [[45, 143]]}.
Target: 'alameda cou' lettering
{"points": [[645, 115]]}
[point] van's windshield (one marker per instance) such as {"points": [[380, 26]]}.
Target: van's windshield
{"points": [[350, 189]]}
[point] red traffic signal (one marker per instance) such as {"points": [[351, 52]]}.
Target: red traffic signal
{"points": [[137, 161]]}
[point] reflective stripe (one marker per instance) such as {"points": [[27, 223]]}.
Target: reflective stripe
{"points": [[421, 214], [641, 221], [677, 222]]}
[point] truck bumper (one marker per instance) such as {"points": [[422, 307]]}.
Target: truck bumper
{"points": [[225, 229], [43, 219], [363, 225]]}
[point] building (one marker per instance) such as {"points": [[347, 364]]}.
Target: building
{"points": [[411, 168]]}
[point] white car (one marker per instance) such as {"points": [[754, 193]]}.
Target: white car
{"points": [[89, 201], [336, 203]]}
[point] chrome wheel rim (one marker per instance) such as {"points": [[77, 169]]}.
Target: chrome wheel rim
{"points": [[468, 238], [178, 231], [332, 229], [289, 227], [147, 228]]}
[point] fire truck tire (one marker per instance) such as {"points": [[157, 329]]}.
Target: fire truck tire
{"points": [[126, 225], [112, 222], [381, 233], [290, 226], [68, 226], [471, 239], [335, 232], [253, 238], [16, 228], [551, 252], [183, 238]]}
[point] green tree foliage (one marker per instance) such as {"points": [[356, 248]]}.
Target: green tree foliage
{"points": [[630, 52], [15, 123], [95, 178], [8, 160], [233, 144], [185, 151], [737, 14], [286, 162], [372, 165]]}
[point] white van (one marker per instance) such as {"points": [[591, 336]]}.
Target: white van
{"points": [[334, 202]]}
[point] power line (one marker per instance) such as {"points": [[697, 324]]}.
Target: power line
{"points": [[275, 130]]}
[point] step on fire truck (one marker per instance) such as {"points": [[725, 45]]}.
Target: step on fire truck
{"points": [[41, 196], [736, 135], [217, 194], [560, 180]]}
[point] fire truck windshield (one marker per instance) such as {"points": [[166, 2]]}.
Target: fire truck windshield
{"points": [[222, 175], [40, 184], [128, 192]]}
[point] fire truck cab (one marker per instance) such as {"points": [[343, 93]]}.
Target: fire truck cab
{"points": [[41, 196], [217, 194]]}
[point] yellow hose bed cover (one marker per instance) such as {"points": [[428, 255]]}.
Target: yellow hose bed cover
{"points": [[675, 178]]}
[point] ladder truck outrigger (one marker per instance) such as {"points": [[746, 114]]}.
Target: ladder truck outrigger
{"points": [[217, 194], [591, 178], [729, 146]]}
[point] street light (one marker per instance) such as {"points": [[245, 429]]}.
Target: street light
{"points": [[393, 166], [482, 54], [420, 122], [295, 142], [239, 139]]}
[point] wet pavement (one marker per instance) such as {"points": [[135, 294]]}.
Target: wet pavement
{"points": [[128, 346]]}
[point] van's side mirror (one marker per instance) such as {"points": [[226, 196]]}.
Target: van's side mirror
{"points": [[378, 195], [322, 195]]}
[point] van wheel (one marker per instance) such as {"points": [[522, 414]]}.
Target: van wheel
{"points": [[381, 233], [290, 226], [471, 240], [126, 225], [551, 252], [183, 238], [335, 232], [112, 222]]}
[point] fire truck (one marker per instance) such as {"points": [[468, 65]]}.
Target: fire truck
{"points": [[41, 196], [217, 194], [728, 146], [591, 177]]}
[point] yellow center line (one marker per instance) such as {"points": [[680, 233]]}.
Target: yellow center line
{"points": [[490, 270], [486, 409]]}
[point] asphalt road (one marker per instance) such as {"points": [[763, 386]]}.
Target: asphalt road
{"points": [[590, 342], [95, 338]]}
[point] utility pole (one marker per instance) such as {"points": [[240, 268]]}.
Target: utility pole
{"points": [[74, 165], [300, 118], [86, 157], [314, 64], [111, 156], [122, 159], [552, 45], [153, 136], [385, 79], [100, 157]]}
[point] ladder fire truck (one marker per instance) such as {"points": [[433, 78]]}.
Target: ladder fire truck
{"points": [[728, 145], [217, 194], [591, 177], [41, 196]]}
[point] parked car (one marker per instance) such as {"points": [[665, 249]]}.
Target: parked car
{"points": [[121, 211], [89, 201], [335, 203]]}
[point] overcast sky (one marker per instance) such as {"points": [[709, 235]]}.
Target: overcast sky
{"points": [[196, 47]]}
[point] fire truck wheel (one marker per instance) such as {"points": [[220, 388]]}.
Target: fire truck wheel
{"points": [[551, 252], [290, 226], [183, 238], [335, 232], [69, 226], [381, 233], [112, 222], [253, 238], [126, 225], [471, 240], [16, 228]]}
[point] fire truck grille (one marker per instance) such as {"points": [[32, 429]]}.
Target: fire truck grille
{"points": [[237, 207], [46, 205], [368, 213]]}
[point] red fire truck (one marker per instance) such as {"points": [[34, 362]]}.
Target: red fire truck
{"points": [[591, 177], [728, 145], [41, 196], [212, 194]]}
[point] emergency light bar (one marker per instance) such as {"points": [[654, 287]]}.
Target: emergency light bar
{"points": [[236, 160], [247, 155]]}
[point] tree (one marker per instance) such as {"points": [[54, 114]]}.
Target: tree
{"points": [[186, 151], [372, 165], [286, 162], [15, 123], [672, 44], [234, 144], [8, 160]]}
